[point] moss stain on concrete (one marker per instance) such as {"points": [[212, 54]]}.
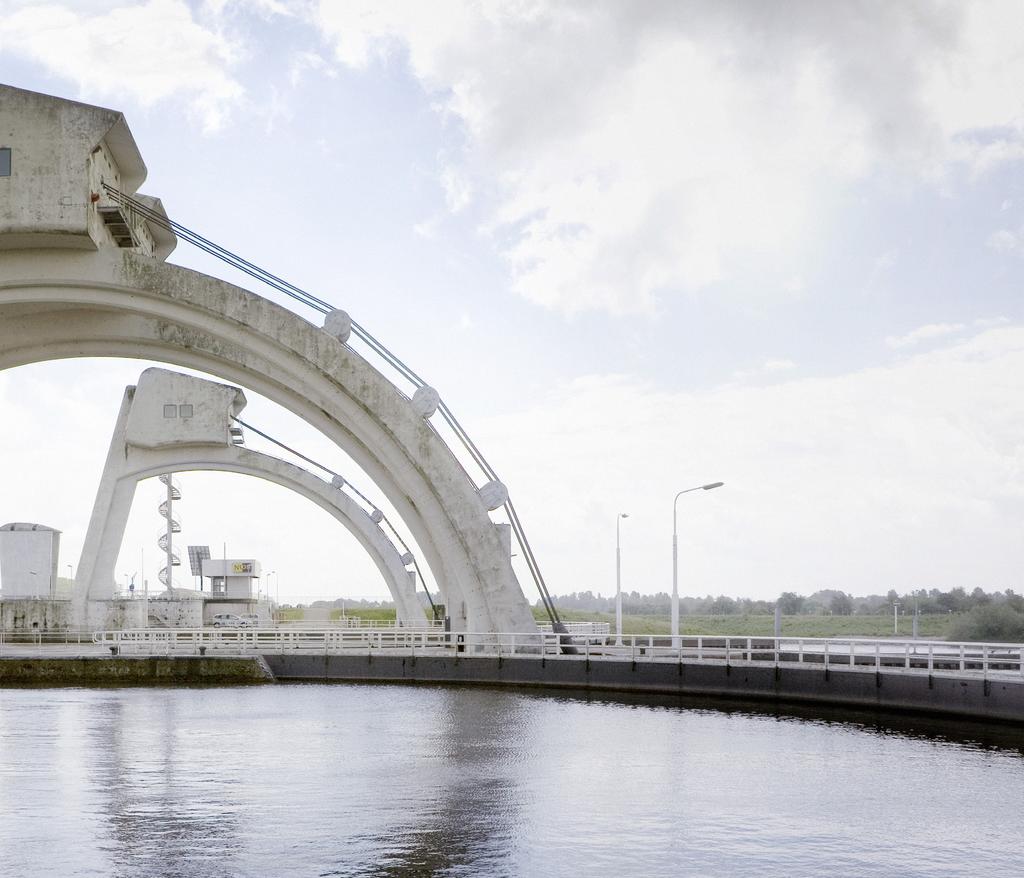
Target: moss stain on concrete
{"points": [[133, 671]]}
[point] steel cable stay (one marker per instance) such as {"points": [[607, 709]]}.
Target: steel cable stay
{"points": [[261, 274], [323, 307]]}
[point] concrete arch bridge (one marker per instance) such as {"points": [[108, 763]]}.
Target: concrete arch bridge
{"points": [[83, 275]]}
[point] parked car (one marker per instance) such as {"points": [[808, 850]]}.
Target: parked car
{"points": [[229, 620], [251, 619]]}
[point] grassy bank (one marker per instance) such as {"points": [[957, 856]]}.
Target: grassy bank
{"points": [[367, 614], [935, 627], [379, 614]]}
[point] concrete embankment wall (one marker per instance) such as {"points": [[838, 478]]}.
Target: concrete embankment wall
{"points": [[972, 696], [132, 671]]}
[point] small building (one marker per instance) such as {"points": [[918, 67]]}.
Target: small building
{"points": [[28, 560], [62, 166], [232, 577]]}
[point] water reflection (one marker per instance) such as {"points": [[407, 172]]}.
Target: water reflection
{"points": [[939, 729], [466, 820], [162, 805], [401, 781]]}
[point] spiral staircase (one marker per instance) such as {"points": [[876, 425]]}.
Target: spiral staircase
{"points": [[165, 538]]}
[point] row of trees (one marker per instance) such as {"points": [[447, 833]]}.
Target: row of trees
{"points": [[820, 603], [346, 603]]}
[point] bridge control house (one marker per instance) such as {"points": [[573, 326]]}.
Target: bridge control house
{"points": [[231, 578]]}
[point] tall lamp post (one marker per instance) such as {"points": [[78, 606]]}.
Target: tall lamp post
{"points": [[618, 578], [675, 559]]}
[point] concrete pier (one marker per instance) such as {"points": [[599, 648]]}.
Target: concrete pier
{"points": [[965, 695], [93, 670]]}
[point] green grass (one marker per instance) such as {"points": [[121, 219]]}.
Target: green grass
{"points": [[934, 627], [379, 614], [368, 614]]}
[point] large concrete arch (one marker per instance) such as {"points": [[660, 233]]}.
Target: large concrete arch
{"points": [[129, 463], [63, 303]]}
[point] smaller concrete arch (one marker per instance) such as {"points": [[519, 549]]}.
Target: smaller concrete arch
{"points": [[146, 444]]}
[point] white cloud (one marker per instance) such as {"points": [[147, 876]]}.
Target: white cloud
{"points": [[924, 333], [768, 367], [642, 148], [906, 476], [147, 52], [427, 229], [457, 188], [886, 261], [1006, 241], [794, 284], [303, 62]]}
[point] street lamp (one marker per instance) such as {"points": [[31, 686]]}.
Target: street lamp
{"points": [[895, 618], [618, 578], [675, 558]]}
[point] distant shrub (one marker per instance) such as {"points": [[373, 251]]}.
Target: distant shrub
{"points": [[993, 622]]}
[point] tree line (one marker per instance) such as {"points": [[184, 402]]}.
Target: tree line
{"points": [[824, 602]]}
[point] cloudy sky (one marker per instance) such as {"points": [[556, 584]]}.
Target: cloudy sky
{"points": [[636, 246]]}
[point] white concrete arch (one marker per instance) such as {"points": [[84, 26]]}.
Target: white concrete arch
{"points": [[400, 581], [128, 464], [59, 304]]}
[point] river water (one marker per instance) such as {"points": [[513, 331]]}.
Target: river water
{"points": [[312, 780]]}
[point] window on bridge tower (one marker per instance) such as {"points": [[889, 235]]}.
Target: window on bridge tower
{"points": [[5, 161], [185, 411], [170, 411]]}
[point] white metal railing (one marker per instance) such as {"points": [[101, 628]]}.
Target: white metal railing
{"points": [[255, 640], [840, 653], [582, 629], [22, 640]]}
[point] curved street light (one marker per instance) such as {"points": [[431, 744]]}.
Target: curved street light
{"points": [[675, 558]]}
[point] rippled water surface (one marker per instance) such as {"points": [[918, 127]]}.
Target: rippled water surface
{"points": [[401, 781]]}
